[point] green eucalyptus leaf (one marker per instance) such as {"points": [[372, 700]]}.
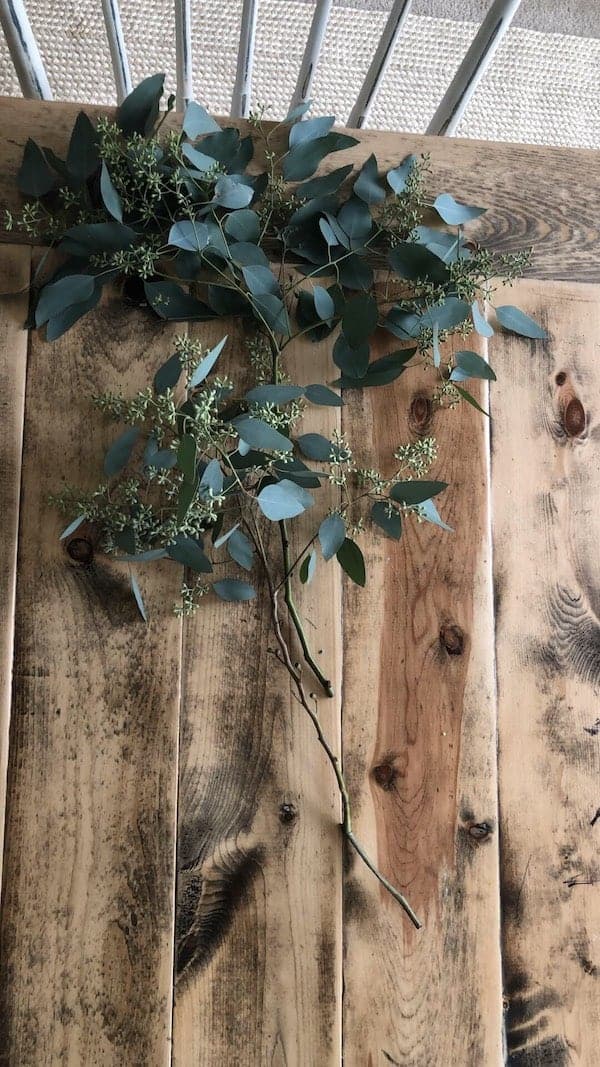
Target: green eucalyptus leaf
{"points": [[58, 296], [324, 305], [197, 121], [58, 324], [332, 534], [471, 400], [220, 541], [351, 560], [283, 500], [247, 254], [261, 281], [308, 568], [315, 446], [367, 185], [480, 322], [415, 492], [303, 159], [259, 434], [110, 196], [35, 177], [398, 176], [321, 395], [163, 458], [353, 362], [359, 320], [120, 451], [187, 493], [168, 375], [190, 235], [137, 593], [240, 549], [381, 371], [206, 364], [293, 468], [234, 589], [415, 262], [139, 110], [90, 238], [272, 310], [72, 527], [310, 129], [428, 511], [516, 321], [201, 162], [169, 301], [296, 113], [275, 394], [231, 193], [435, 344], [243, 225], [333, 235], [143, 557], [323, 186], [212, 479], [186, 457], [470, 365], [453, 213], [354, 273], [356, 220], [83, 157], [388, 518], [188, 552]]}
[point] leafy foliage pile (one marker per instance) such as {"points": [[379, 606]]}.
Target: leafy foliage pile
{"points": [[187, 223]]}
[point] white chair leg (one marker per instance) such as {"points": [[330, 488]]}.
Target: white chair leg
{"points": [[379, 64], [312, 52], [472, 68], [183, 40], [24, 51], [116, 44], [242, 90]]}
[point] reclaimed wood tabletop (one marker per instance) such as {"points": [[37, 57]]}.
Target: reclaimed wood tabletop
{"points": [[174, 883]]}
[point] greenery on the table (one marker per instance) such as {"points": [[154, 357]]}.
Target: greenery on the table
{"points": [[198, 223]]}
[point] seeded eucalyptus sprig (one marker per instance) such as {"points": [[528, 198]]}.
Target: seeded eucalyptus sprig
{"points": [[197, 223]]}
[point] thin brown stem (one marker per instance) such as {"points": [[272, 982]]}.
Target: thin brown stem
{"points": [[293, 612]]}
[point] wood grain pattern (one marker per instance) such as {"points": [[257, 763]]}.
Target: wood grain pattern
{"points": [[419, 753], [14, 277], [259, 875], [546, 487], [531, 192], [87, 918]]}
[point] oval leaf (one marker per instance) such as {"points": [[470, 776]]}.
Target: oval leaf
{"points": [[234, 589], [284, 500], [332, 534], [119, 452], [259, 434], [351, 560], [516, 321], [411, 493], [453, 213]]}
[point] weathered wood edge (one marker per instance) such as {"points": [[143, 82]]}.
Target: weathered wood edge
{"points": [[535, 195]]}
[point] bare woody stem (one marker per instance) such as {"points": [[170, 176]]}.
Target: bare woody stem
{"points": [[293, 612], [286, 660]]}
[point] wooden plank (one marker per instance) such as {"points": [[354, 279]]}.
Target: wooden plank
{"points": [[528, 189], [259, 873], [546, 496], [419, 756], [14, 277], [87, 920]]}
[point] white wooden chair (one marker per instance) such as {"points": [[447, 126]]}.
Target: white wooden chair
{"points": [[34, 82]]}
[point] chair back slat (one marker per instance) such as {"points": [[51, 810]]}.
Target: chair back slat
{"points": [[183, 44], [473, 67], [242, 90], [379, 64], [312, 52], [116, 45], [24, 51]]}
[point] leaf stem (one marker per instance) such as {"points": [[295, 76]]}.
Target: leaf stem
{"points": [[293, 611]]}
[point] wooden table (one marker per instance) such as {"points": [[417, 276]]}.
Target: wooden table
{"points": [[167, 801]]}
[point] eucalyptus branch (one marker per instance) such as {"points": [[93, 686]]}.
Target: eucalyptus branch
{"points": [[293, 612]]}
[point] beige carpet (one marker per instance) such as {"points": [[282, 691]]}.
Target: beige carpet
{"points": [[542, 88]]}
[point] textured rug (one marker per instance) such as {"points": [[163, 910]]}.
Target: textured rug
{"points": [[543, 87]]}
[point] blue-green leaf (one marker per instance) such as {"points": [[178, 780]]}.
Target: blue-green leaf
{"points": [[388, 518], [272, 310], [308, 568], [240, 549], [274, 394], [470, 365], [234, 589], [471, 400], [353, 362], [315, 446], [283, 500], [230, 192], [332, 534], [243, 225], [219, 541], [261, 281], [70, 529], [135, 589], [429, 511], [83, 156], [516, 321], [212, 478], [35, 177], [168, 375], [398, 176], [206, 364], [453, 213], [186, 457], [480, 322], [110, 196], [351, 560], [190, 554], [57, 296], [296, 113], [169, 301], [142, 557], [311, 129], [411, 493], [303, 159], [197, 121], [324, 305], [201, 162], [415, 262], [324, 185], [367, 185], [119, 452], [435, 344], [164, 459], [359, 319], [259, 434], [320, 394], [139, 110]]}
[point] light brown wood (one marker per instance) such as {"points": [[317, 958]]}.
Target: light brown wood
{"points": [[259, 872], [15, 265], [545, 471], [529, 190], [87, 911], [419, 755]]}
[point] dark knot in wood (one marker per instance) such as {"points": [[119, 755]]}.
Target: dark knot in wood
{"points": [[385, 774], [420, 413], [287, 813], [560, 378], [452, 639], [480, 831], [574, 418], [81, 550]]}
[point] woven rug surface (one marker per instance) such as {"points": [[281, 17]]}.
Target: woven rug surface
{"points": [[542, 87]]}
